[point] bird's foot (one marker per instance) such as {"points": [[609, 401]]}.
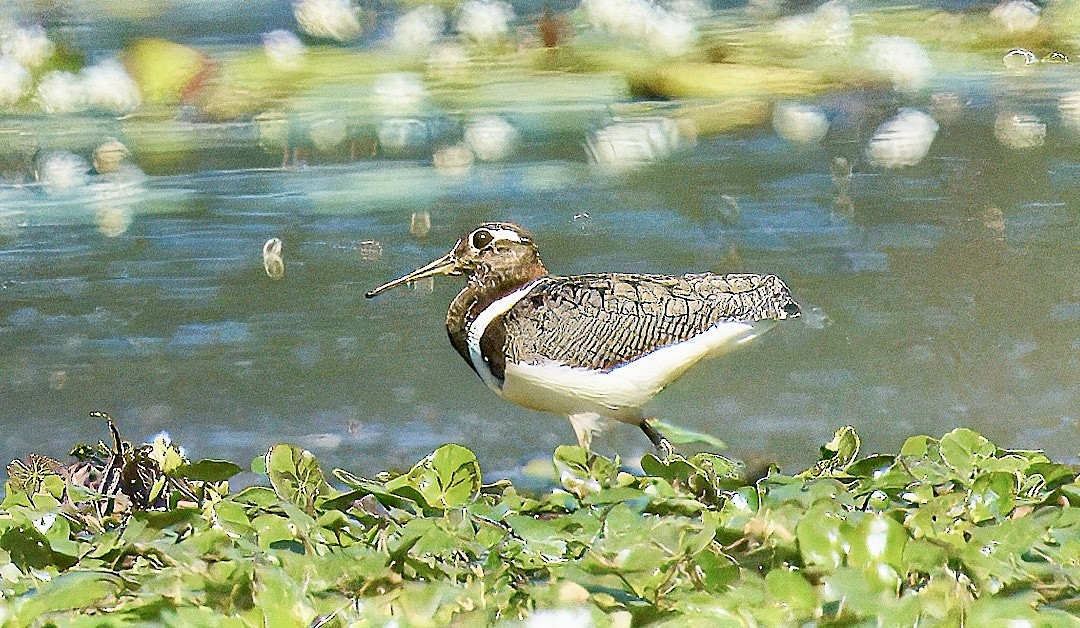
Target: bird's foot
{"points": [[662, 444]]}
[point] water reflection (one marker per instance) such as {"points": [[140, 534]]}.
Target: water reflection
{"points": [[1019, 130], [903, 140], [61, 172], [284, 49], [328, 19], [491, 138], [802, 124], [418, 30], [273, 262], [628, 144]]}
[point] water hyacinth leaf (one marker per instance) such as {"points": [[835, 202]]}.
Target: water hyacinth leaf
{"points": [[59, 536], [166, 454], [871, 466], [820, 538], [715, 569], [1018, 610], [259, 496], [963, 450], [1001, 551], [617, 495], [681, 435], [447, 478], [281, 599], [232, 516], [924, 556], [940, 519], [791, 589], [581, 472], [920, 446], [837, 454], [29, 548], [31, 476], [877, 539], [207, 470], [403, 497], [1054, 474], [355, 481], [992, 496], [715, 465], [861, 590], [67, 591], [1003, 462], [296, 477], [674, 468], [1071, 493], [271, 529]]}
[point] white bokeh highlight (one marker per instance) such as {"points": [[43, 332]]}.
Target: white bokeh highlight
{"points": [[902, 60], [903, 140], [799, 123]]}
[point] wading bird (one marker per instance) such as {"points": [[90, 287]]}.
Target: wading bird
{"points": [[590, 347]]}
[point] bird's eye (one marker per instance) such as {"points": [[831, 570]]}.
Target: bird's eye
{"points": [[481, 238]]}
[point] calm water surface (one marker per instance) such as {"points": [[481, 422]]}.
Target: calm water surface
{"points": [[937, 295]]}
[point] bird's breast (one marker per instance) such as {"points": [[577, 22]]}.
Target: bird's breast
{"points": [[486, 338]]}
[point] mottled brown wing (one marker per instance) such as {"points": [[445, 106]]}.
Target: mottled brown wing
{"points": [[601, 321]]}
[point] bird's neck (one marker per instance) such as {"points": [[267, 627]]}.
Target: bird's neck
{"points": [[484, 288]]}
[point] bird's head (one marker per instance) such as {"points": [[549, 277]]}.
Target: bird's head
{"points": [[495, 253]]}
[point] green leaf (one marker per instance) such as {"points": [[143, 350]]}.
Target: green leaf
{"points": [[447, 478], [296, 477], [67, 591], [1018, 610], [260, 496], [921, 555], [837, 455], [704, 475], [877, 539], [207, 470], [582, 472], [995, 553], [716, 569], [271, 529], [792, 590], [681, 435], [819, 537], [871, 466], [29, 548], [919, 446], [165, 454], [863, 591], [992, 496], [1054, 474], [674, 468], [232, 516], [962, 449], [281, 599]]}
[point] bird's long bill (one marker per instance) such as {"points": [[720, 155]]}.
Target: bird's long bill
{"points": [[445, 265]]}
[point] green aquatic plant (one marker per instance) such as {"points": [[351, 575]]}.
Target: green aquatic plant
{"points": [[952, 531]]}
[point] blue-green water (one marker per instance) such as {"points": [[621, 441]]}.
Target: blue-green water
{"points": [[935, 295]]}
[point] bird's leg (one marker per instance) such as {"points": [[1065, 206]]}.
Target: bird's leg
{"points": [[662, 444], [585, 425]]}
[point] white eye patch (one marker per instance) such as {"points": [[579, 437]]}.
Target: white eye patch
{"points": [[506, 234], [492, 232]]}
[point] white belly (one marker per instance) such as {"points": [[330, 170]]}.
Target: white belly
{"points": [[621, 392]]}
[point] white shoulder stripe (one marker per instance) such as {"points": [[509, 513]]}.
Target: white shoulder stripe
{"points": [[477, 327]]}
